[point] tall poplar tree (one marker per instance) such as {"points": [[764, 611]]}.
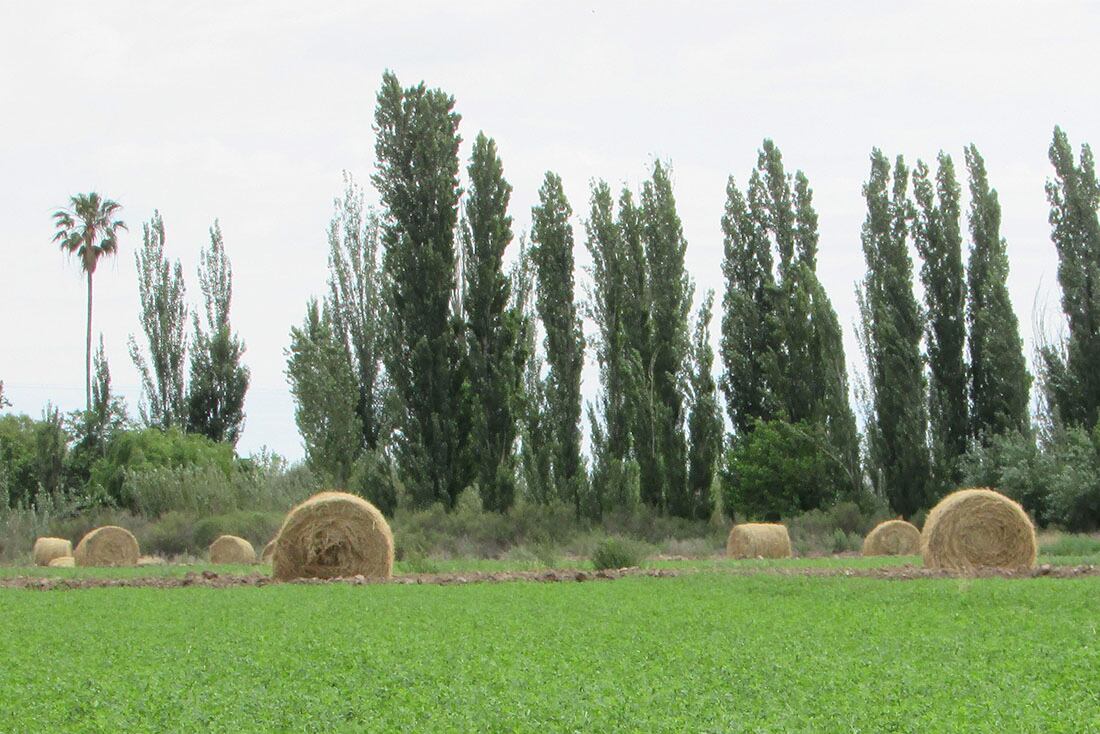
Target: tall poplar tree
{"points": [[1000, 385], [938, 238], [891, 331], [670, 293], [1073, 372], [417, 179], [163, 315], [609, 301], [496, 354], [750, 331], [704, 417], [354, 302], [215, 397], [552, 253]]}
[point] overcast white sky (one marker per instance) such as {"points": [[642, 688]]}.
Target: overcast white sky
{"points": [[249, 111]]}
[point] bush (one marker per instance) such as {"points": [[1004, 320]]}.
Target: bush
{"points": [[1074, 500], [137, 452], [779, 470], [1013, 465], [619, 552], [172, 535]]}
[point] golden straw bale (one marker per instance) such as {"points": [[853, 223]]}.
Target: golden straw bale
{"points": [[759, 540], [47, 549], [109, 545], [231, 549], [892, 538], [62, 562], [269, 550], [151, 561], [978, 527], [333, 534]]}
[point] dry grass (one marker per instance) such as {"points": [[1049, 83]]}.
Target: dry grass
{"points": [[978, 528], [759, 540], [334, 534]]}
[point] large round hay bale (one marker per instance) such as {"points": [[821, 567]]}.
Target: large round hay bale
{"points": [[269, 550], [759, 540], [978, 527], [62, 562], [231, 549], [109, 545], [47, 549], [892, 538], [333, 534]]}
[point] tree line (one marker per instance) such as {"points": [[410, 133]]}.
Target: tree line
{"points": [[430, 366]]}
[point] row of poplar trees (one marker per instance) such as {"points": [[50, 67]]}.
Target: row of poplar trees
{"points": [[429, 367]]}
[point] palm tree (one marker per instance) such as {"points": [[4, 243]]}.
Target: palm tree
{"points": [[88, 230]]}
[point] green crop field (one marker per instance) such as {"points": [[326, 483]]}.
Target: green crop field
{"points": [[707, 652]]}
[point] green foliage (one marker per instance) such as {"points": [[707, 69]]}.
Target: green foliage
{"points": [[1000, 386], [705, 417], [1074, 499], [355, 303], [616, 552], [215, 398], [323, 386], [495, 343], [372, 478], [552, 254], [164, 321], [778, 469], [1071, 377], [1013, 464], [939, 241], [1071, 545], [417, 179], [670, 293], [133, 452], [33, 457], [890, 333]]}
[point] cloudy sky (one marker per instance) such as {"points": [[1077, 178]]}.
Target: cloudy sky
{"points": [[249, 112]]}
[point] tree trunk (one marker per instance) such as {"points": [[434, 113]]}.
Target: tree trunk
{"points": [[88, 352]]}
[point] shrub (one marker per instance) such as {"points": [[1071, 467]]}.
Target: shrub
{"points": [[172, 535], [778, 470], [618, 552], [139, 451], [1013, 465], [1074, 500]]}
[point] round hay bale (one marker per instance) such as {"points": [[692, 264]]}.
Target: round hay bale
{"points": [[978, 527], [231, 549], [47, 549], [759, 540], [269, 550], [109, 545], [62, 562], [892, 538], [333, 534]]}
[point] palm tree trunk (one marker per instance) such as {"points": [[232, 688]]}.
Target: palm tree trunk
{"points": [[88, 352]]}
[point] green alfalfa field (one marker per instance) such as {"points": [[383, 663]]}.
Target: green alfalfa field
{"points": [[709, 651]]}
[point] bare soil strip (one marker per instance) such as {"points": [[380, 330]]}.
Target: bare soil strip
{"points": [[211, 579]]}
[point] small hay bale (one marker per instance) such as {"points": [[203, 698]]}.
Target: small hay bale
{"points": [[62, 562], [151, 561], [759, 540], [231, 549], [47, 549], [892, 538], [269, 550], [109, 545], [978, 528], [333, 534]]}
